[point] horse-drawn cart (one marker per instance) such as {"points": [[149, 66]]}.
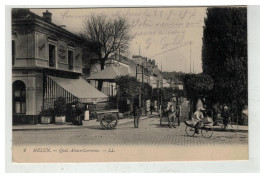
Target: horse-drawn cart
{"points": [[108, 118]]}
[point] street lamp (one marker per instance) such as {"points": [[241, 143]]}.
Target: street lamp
{"points": [[117, 95], [112, 90]]}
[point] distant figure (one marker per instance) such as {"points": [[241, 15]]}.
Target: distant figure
{"points": [[225, 115], [151, 109], [171, 111], [77, 114], [207, 112], [137, 114]]}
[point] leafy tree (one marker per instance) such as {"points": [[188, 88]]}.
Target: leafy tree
{"points": [[105, 36], [178, 92], [155, 94], [166, 94], [197, 86], [129, 87], [224, 55], [146, 91], [173, 75]]}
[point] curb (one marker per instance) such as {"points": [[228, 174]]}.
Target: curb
{"points": [[55, 128], [72, 127], [231, 130]]}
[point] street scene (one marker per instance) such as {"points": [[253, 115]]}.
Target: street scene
{"points": [[152, 77], [149, 133]]}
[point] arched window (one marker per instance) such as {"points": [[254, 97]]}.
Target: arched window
{"points": [[19, 98]]}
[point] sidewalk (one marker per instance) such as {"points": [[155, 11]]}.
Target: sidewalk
{"points": [[236, 128], [70, 126]]}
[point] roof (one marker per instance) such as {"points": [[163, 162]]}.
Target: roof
{"points": [[26, 14], [109, 73], [175, 80], [80, 89]]}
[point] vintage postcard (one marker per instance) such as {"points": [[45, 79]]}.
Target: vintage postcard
{"points": [[129, 84]]}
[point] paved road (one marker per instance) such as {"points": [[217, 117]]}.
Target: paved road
{"points": [[149, 133]]}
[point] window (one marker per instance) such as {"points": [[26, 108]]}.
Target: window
{"points": [[70, 59], [52, 54], [13, 52], [19, 98]]}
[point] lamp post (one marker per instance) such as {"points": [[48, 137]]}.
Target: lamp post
{"points": [[117, 96], [140, 92], [112, 90]]}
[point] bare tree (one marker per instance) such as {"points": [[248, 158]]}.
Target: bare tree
{"points": [[105, 36]]}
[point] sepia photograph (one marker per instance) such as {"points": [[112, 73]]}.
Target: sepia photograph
{"points": [[129, 84]]}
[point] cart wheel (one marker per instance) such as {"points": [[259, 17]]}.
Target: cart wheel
{"points": [[190, 131], [207, 131], [108, 121]]}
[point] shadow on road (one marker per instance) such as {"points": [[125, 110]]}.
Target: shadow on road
{"points": [[95, 127], [195, 136]]}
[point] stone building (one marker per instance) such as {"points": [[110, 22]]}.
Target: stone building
{"points": [[46, 64]]}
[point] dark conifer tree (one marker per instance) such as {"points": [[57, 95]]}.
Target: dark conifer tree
{"points": [[224, 55]]}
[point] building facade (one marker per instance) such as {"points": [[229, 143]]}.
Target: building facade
{"points": [[41, 52]]}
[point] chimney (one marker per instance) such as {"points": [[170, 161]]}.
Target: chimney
{"points": [[47, 16], [153, 62]]}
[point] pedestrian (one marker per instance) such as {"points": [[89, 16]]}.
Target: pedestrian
{"points": [[151, 109], [207, 112], [137, 114], [225, 115], [73, 114], [171, 112]]}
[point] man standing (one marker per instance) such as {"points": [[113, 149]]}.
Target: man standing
{"points": [[225, 116], [151, 108], [137, 113], [171, 109]]}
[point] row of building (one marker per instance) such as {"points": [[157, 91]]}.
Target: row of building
{"points": [[47, 63], [145, 70]]}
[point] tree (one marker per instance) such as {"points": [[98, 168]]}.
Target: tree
{"points": [[224, 55], [197, 86], [129, 87], [105, 36], [146, 91], [165, 94]]}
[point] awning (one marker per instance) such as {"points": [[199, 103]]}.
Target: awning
{"points": [[81, 89]]}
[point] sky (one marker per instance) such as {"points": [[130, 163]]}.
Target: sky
{"points": [[170, 36]]}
